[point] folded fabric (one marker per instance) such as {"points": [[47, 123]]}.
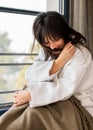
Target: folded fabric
{"points": [[62, 115]]}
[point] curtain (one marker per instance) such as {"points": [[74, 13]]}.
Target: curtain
{"points": [[81, 19]]}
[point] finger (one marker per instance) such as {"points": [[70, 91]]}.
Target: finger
{"points": [[72, 50], [17, 93], [72, 47], [15, 101], [19, 104], [68, 45]]}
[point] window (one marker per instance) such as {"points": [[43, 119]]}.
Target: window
{"points": [[35, 5], [16, 41], [15, 45]]}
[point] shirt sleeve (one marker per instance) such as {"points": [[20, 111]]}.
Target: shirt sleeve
{"points": [[39, 71], [47, 92]]}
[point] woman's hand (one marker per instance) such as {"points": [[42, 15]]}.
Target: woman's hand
{"points": [[67, 53], [21, 97]]}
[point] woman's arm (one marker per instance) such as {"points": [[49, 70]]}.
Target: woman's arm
{"points": [[39, 71], [22, 97], [47, 70], [66, 54], [64, 86]]}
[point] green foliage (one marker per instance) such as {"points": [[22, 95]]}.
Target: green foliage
{"points": [[4, 42], [4, 71], [12, 77]]}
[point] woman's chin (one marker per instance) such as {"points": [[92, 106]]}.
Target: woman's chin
{"points": [[56, 54]]}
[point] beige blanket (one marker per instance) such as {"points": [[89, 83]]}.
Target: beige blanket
{"points": [[63, 115]]}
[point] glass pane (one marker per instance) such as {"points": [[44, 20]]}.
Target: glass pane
{"points": [[37, 5], [4, 98], [16, 33], [15, 37], [11, 78]]}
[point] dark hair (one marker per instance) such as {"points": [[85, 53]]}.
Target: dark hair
{"points": [[51, 25]]}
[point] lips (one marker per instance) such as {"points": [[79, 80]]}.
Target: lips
{"points": [[56, 52]]}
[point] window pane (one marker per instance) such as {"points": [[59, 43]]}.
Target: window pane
{"points": [[11, 78], [37, 5], [15, 32], [15, 38], [4, 98]]}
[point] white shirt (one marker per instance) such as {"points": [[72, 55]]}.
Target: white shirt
{"points": [[75, 78]]}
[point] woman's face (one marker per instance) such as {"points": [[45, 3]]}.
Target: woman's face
{"points": [[55, 46]]}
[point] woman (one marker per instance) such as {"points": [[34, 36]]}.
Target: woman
{"points": [[60, 87]]}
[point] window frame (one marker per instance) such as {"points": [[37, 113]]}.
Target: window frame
{"points": [[5, 106], [17, 11]]}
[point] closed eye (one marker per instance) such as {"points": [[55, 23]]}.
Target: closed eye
{"points": [[46, 44]]}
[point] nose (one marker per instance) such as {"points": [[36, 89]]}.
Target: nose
{"points": [[52, 46]]}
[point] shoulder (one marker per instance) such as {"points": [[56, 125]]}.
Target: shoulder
{"points": [[82, 56]]}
